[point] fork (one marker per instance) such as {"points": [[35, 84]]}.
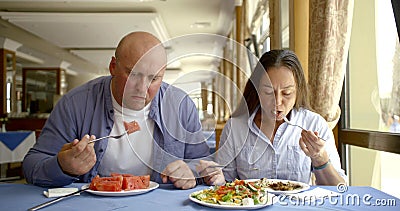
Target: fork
{"points": [[110, 136], [222, 167], [292, 124]]}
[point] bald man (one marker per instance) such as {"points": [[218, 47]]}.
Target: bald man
{"points": [[169, 146]]}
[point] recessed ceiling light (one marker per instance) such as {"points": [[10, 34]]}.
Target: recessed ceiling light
{"points": [[200, 25]]}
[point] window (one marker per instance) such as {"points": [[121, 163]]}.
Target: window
{"points": [[370, 102]]}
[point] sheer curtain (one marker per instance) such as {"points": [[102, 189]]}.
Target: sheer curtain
{"points": [[330, 28]]}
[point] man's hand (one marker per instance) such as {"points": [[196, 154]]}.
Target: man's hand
{"points": [[179, 173], [77, 157], [212, 176]]}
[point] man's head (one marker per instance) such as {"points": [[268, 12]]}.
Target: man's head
{"points": [[137, 68]]}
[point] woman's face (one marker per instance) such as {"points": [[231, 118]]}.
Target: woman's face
{"points": [[277, 92]]}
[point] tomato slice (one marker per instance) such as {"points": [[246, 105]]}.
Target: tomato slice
{"points": [[224, 190]]}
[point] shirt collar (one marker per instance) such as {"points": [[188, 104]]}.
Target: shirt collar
{"points": [[250, 122], [253, 127]]}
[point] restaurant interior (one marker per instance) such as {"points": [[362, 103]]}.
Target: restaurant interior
{"points": [[350, 54]]}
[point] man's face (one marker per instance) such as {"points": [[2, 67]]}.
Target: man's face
{"points": [[136, 83]]}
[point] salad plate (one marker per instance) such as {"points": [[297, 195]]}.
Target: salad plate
{"points": [[278, 186], [235, 207], [239, 194]]}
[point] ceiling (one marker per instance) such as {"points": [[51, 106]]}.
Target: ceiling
{"points": [[81, 35]]}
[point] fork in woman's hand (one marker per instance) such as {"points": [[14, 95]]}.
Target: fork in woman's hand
{"points": [[292, 124]]}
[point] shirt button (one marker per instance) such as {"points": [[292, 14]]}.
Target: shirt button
{"points": [[108, 127], [111, 111], [101, 150]]}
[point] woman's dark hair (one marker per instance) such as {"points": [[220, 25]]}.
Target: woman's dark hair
{"points": [[271, 59]]}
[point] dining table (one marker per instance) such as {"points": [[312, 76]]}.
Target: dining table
{"points": [[166, 197]]}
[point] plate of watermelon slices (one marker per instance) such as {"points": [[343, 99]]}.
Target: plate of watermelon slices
{"points": [[152, 186], [120, 185]]}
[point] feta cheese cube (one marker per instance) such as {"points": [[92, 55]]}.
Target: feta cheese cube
{"points": [[248, 202]]}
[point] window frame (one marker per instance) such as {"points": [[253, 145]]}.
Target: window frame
{"points": [[376, 140]]}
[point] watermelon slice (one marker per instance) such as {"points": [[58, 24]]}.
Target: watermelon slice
{"points": [[118, 182], [131, 127], [105, 185]]}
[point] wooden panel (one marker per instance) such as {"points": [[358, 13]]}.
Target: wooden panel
{"points": [[33, 124], [3, 72], [3, 78], [218, 131], [381, 141]]}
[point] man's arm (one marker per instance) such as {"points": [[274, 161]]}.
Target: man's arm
{"points": [[41, 165]]}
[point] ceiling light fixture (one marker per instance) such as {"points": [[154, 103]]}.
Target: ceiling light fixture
{"points": [[200, 25]]}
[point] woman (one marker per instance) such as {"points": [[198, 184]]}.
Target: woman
{"points": [[256, 142]]}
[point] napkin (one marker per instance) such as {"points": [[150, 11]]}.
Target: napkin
{"points": [[57, 192], [314, 194]]}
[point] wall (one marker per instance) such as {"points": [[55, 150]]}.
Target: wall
{"points": [[77, 80]]}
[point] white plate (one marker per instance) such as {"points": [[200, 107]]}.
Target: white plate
{"points": [[270, 201], [304, 187], [152, 186]]}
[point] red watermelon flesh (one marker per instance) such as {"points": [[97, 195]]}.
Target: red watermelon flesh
{"points": [[118, 182]]}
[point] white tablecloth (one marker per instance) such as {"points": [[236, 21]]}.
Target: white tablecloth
{"points": [[23, 145]]}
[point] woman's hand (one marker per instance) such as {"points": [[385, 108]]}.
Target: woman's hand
{"points": [[212, 176], [179, 173], [313, 147]]}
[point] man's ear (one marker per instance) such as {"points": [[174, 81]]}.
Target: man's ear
{"points": [[112, 65]]}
